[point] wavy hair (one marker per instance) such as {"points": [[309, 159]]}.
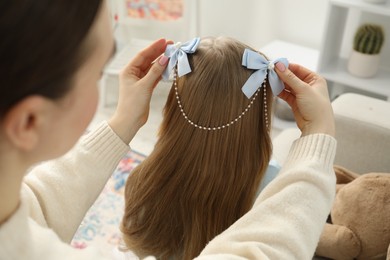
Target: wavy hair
{"points": [[196, 183]]}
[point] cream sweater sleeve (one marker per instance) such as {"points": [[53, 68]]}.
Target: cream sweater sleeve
{"points": [[287, 219], [60, 192]]}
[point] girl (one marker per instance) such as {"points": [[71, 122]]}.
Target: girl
{"points": [[213, 149]]}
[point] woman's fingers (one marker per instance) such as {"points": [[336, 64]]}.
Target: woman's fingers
{"points": [[154, 73], [142, 61], [301, 72], [287, 96], [306, 93], [289, 77]]}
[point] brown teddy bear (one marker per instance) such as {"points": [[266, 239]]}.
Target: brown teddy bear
{"points": [[359, 222]]}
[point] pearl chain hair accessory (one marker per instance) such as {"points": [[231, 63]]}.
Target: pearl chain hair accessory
{"points": [[214, 128], [264, 71]]}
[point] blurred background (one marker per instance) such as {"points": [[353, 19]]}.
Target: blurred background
{"points": [[317, 34]]}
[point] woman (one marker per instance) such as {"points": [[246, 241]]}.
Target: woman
{"points": [[52, 54]]}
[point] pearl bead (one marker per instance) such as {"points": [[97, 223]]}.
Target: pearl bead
{"points": [[178, 45]]}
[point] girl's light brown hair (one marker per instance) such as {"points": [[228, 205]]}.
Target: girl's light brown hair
{"points": [[196, 183]]}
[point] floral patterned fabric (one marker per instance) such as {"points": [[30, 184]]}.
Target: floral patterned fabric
{"points": [[100, 226]]}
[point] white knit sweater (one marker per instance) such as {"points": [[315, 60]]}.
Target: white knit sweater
{"points": [[284, 223]]}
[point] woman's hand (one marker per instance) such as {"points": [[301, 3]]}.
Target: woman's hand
{"points": [[136, 84], [307, 94]]}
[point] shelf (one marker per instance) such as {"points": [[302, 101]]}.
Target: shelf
{"points": [[125, 55], [381, 9], [304, 56], [337, 72], [332, 64]]}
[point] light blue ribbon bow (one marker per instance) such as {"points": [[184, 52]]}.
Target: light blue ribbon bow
{"points": [[255, 61], [178, 55]]}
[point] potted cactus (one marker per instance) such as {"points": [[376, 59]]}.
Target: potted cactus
{"points": [[364, 59]]}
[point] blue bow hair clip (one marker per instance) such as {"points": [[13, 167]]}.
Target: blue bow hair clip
{"points": [[177, 54], [255, 61]]}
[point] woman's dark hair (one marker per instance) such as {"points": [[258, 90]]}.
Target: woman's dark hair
{"points": [[42, 44]]}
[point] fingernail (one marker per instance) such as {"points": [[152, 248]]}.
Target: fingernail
{"points": [[163, 60], [281, 66]]}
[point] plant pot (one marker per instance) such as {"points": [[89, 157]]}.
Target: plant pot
{"points": [[363, 65], [375, 1]]}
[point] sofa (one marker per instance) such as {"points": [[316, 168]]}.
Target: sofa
{"points": [[362, 133]]}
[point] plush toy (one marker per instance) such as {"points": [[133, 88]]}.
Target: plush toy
{"points": [[359, 222]]}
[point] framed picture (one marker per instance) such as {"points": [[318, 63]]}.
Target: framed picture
{"points": [[150, 19], [160, 10]]}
